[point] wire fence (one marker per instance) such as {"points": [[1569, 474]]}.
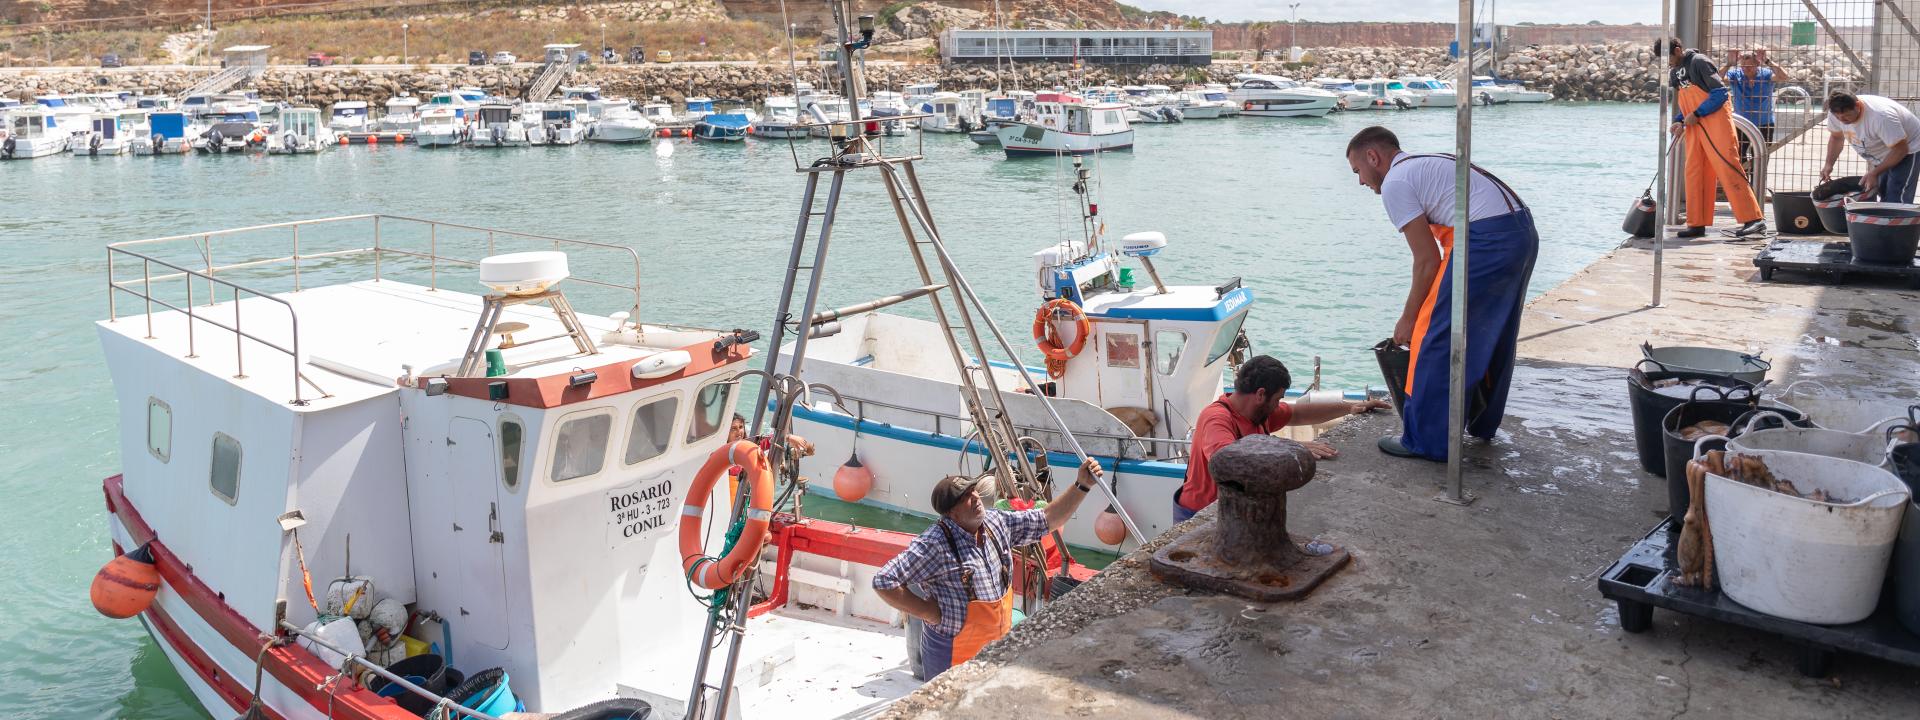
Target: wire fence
{"points": [[1812, 48]]}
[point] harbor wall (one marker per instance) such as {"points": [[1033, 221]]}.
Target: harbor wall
{"points": [[1614, 72]]}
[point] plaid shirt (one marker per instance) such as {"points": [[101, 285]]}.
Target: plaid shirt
{"points": [[1753, 101], [930, 563]]}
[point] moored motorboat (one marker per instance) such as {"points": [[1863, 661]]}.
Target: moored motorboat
{"points": [[783, 119], [494, 126], [113, 133], [722, 127], [299, 131], [622, 124], [1274, 96], [168, 132], [402, 116], [350, 116], [440, 126], [1430, 92], [32, 132], [1066, 125]]}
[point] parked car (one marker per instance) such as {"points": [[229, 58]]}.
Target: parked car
{"points": [[662, 56], [504, 58], [111, 60], [637, 54], [608, 56], [477, 57], [319, 59]]}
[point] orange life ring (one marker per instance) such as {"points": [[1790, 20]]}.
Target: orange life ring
{"points": [[1049, 341], [700, 568]]}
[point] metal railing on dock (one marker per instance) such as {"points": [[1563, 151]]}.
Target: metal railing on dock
{"points": [[121, 255]]}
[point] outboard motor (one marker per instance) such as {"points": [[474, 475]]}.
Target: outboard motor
{"points": [[1486, 99], [499, 135], [216, 142], [1402, 103], [6, 148], [93, 145], [1172, 114]]}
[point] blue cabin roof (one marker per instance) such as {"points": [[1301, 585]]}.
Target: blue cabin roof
{"points": [[170, 124], [702, 105], [726, 120]]}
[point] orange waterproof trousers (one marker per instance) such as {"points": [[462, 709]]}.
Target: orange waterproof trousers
{"points": [[1713, 158]]}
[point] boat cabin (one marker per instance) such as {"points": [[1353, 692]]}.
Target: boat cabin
{"points": [[402, 105], [301, 122], [29, 123], [699, 105], [170, 124], [351, 111], [155, 102], [563, 116]]}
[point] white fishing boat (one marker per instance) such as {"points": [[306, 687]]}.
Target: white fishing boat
{"points": [[697, 107], [1066, 125], [821, 109], [1194, 104], [554, 124], [1351, 98], [224, 136], [622, 124], [402, 115], [886, 100], [1387, 94], [112, 133], [197, 104], [64, 114], [1430, 92], [169, 132], [1488, 91], [1519, 92], [1275, 96], [660, 113], [156, 102], [513, 473], [299, 131], [460, 102], [950, 113], [494, 126], [32, 133], [350, 116], [783, 120], [1141, 360], [439, 127], [918, 94]]}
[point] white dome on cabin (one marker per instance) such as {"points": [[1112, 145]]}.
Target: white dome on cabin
{"points": [[525, 273], [1143, 244]]}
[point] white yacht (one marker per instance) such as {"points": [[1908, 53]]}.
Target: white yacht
{"points": [[1220, 94], [1351, 98], [660, 112], [1430, 92], [1063, 124], [1488, 91], [440, 126], [299, 131], [197, 104], [1518, 92], [622, 124], [918, 94], [1194, 105], [460, 102], [350, 116], [1275, 96], [32, 132], [402, 115], [494, 126], [553, 124], [783, 119]]}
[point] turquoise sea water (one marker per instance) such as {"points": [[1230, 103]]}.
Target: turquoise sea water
{"points": [[1271, 201]]}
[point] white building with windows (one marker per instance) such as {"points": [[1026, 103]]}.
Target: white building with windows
{"points": [[1144, 47]]}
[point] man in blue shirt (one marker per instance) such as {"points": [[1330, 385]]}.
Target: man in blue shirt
{"points": [[1751, 88]]}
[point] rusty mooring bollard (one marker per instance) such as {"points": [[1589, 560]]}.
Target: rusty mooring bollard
{"points": [[1246, 550]]}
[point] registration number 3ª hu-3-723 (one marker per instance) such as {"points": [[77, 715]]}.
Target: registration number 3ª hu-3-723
{"points": [[638, 510]]}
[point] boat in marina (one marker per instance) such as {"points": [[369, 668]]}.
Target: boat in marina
{"points": [[462, 102], [950, 113], [112, 133], [1351, 98], [622, 124], [156, 102], [722, 127], [825, 108], [1519, 92], [402, 115], [1430, 92], [1488, 91], [1063, 124], [493, 126], [225, 136], [918, 94], [553, 124], [660, 113], [350, 116], [782, 120], [697, 107], [32, 132], [169, 132], [1387, 94], [440, 126], [1275, 96], [299, 131], [1194, 104]]}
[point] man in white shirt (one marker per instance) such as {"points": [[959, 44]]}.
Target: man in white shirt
{"points": [[1884, 133], [1418, 193]]}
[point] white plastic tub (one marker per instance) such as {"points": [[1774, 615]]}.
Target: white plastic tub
{"points": [[1803, 560], [1833, 411], [1865, 448]]}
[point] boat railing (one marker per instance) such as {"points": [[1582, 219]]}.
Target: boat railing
{"points": [[205, 270], [446, 706], [1149, 447]]}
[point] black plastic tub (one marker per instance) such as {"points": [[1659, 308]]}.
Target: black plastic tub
{"points": [[1393, 368], [1678, 450], [1794, 214], [615, 709], [1904, 573], [1883, 233], [427, 670], [1830, 202], [1650, 406]]}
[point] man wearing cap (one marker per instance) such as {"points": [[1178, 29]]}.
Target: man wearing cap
{"points": [[965, 562]]}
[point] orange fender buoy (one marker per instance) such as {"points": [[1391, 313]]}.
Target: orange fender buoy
{"points": [[702, 569], [343, 139], [853, 480], [1109, 528], [1057, 352], [373, 139], [126, 586], [400, 137]]}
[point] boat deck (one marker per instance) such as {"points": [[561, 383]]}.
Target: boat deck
{"points": [[1489, 610], [817, 665]]}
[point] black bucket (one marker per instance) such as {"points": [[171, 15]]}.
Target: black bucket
{"points": [[1650, 406], [1904, 573], [1677, 451], [1883, 233], [427, 670], [1393, 366], [1794, 214], [1830, 202], [616, 709]]}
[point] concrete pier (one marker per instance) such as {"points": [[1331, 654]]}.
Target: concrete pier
{"points": [[1488, 610]]}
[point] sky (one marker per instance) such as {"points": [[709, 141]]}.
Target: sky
{"points": [[1510, 11]]}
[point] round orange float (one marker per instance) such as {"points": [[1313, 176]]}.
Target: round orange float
{"points": [[126, 586]]}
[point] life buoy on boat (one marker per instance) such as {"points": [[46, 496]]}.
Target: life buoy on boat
{"points": [[702, 569], [1056, 352]]}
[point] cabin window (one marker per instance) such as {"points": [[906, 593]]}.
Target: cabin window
{"points": [[1111, 118], [1123, 350], [225, 478], [580, 448], [1229, 332], [512, 438], [159, 429], [652, 429], [710, 410], [1167, 347]]}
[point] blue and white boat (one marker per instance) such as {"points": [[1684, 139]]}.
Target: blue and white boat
{"points": [[169, 132], [697, 107], [722, 127], [32, 132], [1153, 358]]}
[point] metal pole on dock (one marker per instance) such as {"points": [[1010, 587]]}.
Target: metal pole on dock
{"points": [[1462, 194], [1662, 208]]}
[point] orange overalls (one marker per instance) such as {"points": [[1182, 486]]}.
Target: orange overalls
{"points": [[1713, 158]]}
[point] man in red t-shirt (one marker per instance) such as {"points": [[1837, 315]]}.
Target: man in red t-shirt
{"points": [[1255, 405]]}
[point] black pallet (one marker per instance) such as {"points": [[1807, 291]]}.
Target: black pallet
{"points": [[1641, 581], [1831, 262]]}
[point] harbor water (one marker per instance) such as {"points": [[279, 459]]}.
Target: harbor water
{"points": [[1269, 201]]}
